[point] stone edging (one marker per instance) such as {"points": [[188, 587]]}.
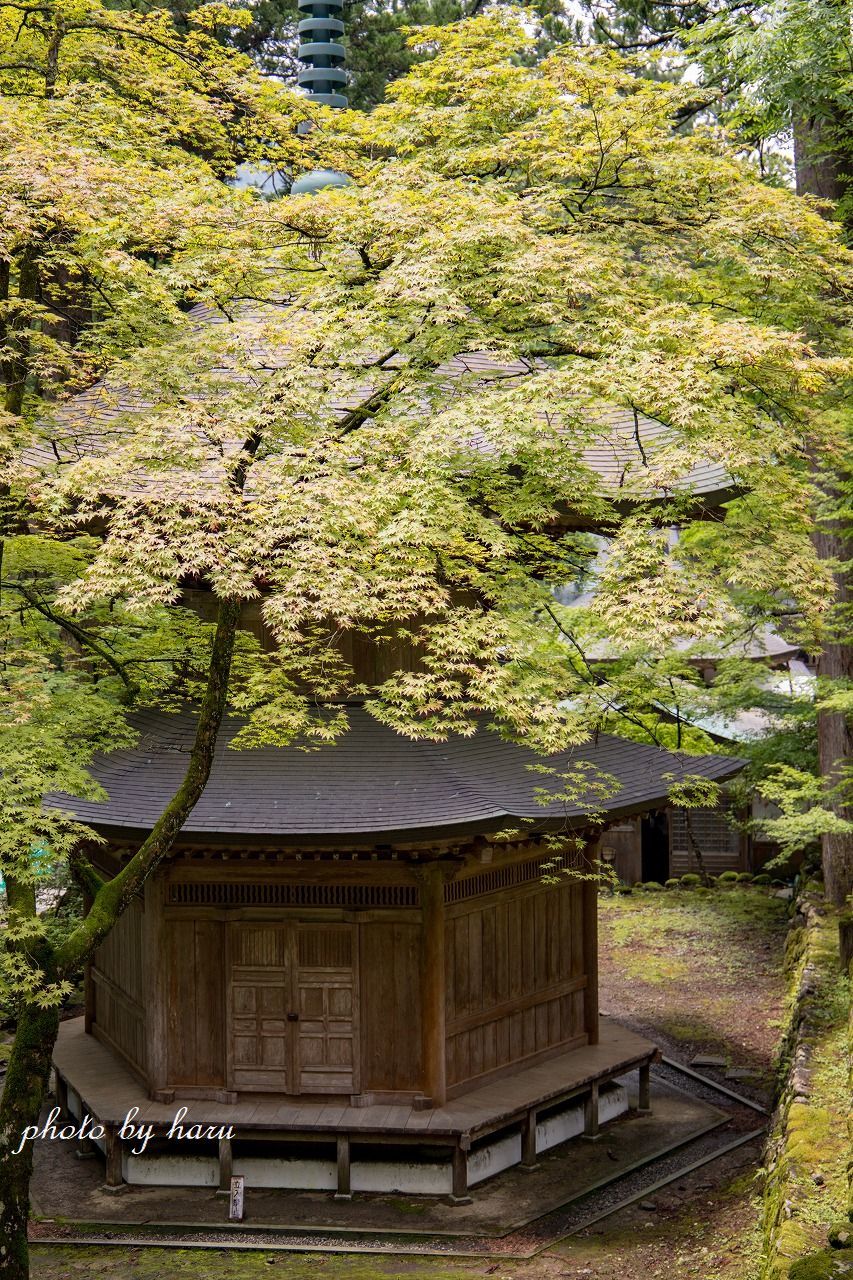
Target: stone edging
{"points": [[784, 1239]]}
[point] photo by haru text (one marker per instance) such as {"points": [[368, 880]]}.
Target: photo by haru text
{"points": [[129, 1131]]}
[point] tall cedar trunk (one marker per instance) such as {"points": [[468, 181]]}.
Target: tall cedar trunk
{"points": [[821, 171], [36, 1031], [818, 170], [834, 739]]}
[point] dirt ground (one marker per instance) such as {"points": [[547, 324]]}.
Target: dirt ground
{"points": [[699, 973]]}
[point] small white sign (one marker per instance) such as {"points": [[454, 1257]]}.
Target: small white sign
{"points": [[235, 1206]]}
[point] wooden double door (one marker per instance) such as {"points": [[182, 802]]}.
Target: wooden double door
{"points": [[293, 1008]]}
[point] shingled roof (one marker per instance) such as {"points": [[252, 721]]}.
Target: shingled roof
{"points": [[624, 446], [373, 786]]}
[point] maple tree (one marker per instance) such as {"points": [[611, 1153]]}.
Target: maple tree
{"points": [[313, 437]]}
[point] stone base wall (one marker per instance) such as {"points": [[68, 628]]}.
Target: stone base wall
{"points": [[802, 1153]]}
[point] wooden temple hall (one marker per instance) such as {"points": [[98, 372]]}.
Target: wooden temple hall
{"points": [[344, 963]]}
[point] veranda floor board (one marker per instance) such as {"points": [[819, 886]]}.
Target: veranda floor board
{"points": [[109, 1090]]}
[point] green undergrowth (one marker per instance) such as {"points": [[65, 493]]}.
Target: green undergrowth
{"points": [[807, 1189], [662, 930]]}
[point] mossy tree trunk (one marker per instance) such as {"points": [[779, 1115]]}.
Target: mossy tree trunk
{"points": [[23, 1093], [36, 1029], [20, 1106]]}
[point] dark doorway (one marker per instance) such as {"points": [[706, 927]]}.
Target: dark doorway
{"points": [[655, 846]]}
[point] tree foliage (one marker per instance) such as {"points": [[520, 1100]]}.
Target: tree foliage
{"points": [[555, 214], [378, 50]]}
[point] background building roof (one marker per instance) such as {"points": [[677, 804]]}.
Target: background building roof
{"points": [[624, 448]]}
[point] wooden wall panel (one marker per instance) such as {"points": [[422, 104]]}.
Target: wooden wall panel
{"points": [[119, 989], [210, 1017], [515, 978], [120, 954], [181, 1003], [196, 1002], [573, 921], [390, 1006]]}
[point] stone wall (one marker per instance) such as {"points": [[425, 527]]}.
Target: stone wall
{"points": [[808, 1161]]}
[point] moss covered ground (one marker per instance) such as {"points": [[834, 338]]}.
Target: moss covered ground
{"points": [[699, 971], [65, 1263]]}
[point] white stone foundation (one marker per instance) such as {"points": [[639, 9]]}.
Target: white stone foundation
{"points": [[410, 1178]]}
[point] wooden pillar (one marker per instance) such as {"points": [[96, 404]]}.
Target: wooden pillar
{"points": [[528, 1142], [114, 1177], [645, 1103], [155, 959], [60, 1090], [589, 900], [344, 1184], [226, 1166], [460, 1176], [590, 1114], [433, 981]]}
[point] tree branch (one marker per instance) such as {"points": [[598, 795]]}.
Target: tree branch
{"points": [[114, 896], [84, 873], [79, 633]]}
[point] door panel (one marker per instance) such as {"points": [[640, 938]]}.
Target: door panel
{"points": [[261, 995], [260, 1032], [292, 1009], [328, 1022]]}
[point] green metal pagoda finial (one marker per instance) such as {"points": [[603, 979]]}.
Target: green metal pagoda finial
{"points": [[323, 75], [321, 51]]}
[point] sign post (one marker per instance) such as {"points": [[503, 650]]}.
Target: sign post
{"points": [[235, 1205]]}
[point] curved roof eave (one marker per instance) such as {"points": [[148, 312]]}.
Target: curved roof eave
{"points": [[373, 786]]}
